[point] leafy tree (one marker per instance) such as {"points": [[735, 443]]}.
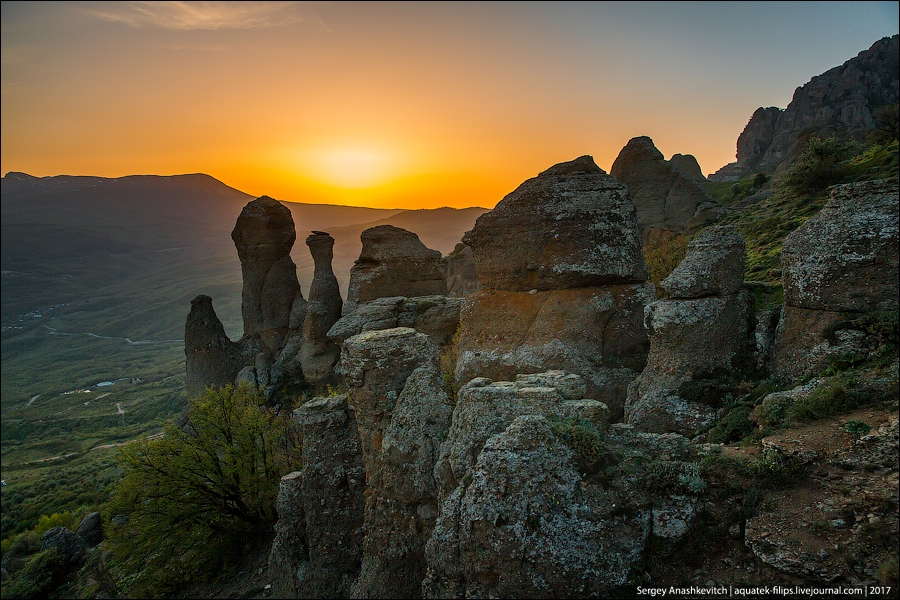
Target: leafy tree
{"points": [[193, 496], [821, 164], [887, 124]]}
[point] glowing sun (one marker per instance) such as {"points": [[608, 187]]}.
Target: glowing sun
{"points": [[352, 167]]}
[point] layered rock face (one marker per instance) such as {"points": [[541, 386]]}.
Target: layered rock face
{"points": [[211, 358], [596, 332], [435, 316], [843, 260], [705, 326], [263, 235], [561, 262], [841, 101], [316, 552], [402, 412], [665, 197], [462, 274], [318, 354], [393, 262]]}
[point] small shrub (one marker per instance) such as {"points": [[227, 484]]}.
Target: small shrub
{"points": [[889, 571], [38, 577], [826, 401], [820, 164], [674, 477], [734, 426], [581, 436], [857, 427], [663, 251], [448, 367], [760, 179]]}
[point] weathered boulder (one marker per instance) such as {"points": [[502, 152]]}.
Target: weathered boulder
{"points": [[402, 411], [435, 316], [688, 165], [318, 354], [843, 260], [317, 550], [595, 332], [485, 408], [263, 235], [706, 329], [211, 358], [526, 525], [664, 197], [91, 529], [689, 339], [571, 226], [393, 262], [713, 266], [71, 548], [462, 274]]}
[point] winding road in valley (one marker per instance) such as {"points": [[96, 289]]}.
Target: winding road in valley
{"points": [[54, 331]]}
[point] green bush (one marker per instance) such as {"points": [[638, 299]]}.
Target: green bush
{"points": [[663, 251], [829, 400], [38, 577], [448, 367], [821, 163], [193, 496], [735, 425]]}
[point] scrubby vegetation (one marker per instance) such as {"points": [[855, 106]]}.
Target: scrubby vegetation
{"points": [[663, 251], [188, 501], [797, 195]]}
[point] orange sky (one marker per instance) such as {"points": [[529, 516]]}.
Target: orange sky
{"points": [[406, 105]]}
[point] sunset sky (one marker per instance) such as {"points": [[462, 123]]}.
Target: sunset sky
{"points": [[399, 105]]}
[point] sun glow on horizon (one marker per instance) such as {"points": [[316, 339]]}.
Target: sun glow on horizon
{"points": [[352, 166]]}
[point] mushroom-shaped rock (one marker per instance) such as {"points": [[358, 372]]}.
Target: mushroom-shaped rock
{"points": [[263, 235]]}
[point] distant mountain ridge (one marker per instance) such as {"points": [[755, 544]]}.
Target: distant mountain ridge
{"points": [[842, 101], [148, 241]]}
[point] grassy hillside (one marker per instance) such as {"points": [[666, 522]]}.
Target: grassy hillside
{"points": [[766, 223]]}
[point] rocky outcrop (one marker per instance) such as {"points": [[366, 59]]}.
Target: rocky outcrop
{"points": [[561, 262], [664, 196], [435, 316], [318, 354], [484, 408], [842, 101], [211, 358], [91, 529], [571, 226], [705, 327], [462, 274], [263, 235], [688, 165], [393, 262], [70, 547], [713, 265], [531, 520], [316, 552], [594, 332], [402, 412], [843, 260]]}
